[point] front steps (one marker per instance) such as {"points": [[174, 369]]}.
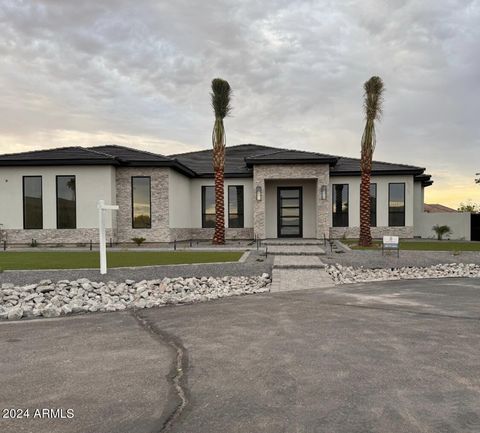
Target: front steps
{"points": [[297, 264], [295, 250]]}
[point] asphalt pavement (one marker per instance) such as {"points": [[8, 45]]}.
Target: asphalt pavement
{"points": [[398, 356]]}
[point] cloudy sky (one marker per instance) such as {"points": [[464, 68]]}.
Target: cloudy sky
{"points": [[138, 73]]}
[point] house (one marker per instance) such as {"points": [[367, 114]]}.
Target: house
{"points": [[51, 195], [436, 208]]}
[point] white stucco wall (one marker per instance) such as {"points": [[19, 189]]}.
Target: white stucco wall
{"points": [[195, 205], [93, 183], [382, 197], [179, 197], [309, 187], [459, 223]]}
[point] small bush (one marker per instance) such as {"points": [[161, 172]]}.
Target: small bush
{"points": [[441, 231], [139, 241], [33, 244]]}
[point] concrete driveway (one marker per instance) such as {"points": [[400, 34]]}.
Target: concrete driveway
{"points": [[378, 357]]}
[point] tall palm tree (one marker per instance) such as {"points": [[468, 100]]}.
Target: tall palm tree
{"points": [[373, 109], [221, 93]]}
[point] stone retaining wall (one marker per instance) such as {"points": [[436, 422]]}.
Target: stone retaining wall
{"points": [[56, 236], [377, 232]]}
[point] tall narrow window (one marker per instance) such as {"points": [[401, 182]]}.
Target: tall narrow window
{"points": [[340, 205], [235, 206], [373, 205], [32, 202], [208, 206], [396, 204], [141, 203], [66, 202]]}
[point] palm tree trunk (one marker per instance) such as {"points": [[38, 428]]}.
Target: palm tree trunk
{"points": [[219, 236], [365, 233]]}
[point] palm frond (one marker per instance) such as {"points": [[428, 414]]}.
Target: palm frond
{"points": [[373, 98], [221, 92]]}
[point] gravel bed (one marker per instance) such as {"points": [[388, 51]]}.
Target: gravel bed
{"points": [[349, 274], [254, 265], [374, 259], [49, 299]]}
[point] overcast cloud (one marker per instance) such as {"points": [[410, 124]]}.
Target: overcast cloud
{"points": [[138, 73]]}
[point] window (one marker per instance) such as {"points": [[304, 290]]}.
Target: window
{"points": [[141, 203], [396, 204], [373, 205], [235, 206], [66, 202], [340, 205], [208, 206], [32, 202]]}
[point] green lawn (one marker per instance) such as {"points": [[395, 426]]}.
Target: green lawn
{"points": [[422, 245], [87, 259]]}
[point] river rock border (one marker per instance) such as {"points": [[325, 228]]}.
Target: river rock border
{"points": [[49, 299], [349, 274]]}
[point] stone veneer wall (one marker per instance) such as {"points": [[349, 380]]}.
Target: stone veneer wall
{"points": [[261, 173], [377, 232], [159, 232], [203, 234], [56, 236]]}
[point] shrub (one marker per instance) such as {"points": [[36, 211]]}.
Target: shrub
{"points": [[139, 241], [441, 231]]}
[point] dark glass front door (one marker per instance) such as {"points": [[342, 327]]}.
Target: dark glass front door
{"points": [[289, 214]]}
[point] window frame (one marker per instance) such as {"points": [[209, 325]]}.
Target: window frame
{"points": [[23, 201], [376, 203], [404, 204], [348, 204], [242, 225], [56, 200], [149, 201], [203, 193]]}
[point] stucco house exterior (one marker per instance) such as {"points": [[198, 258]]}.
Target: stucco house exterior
{"points": [[51, 195]]}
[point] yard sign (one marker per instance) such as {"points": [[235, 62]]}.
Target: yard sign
{"points": [[102, 207], [391, 243]]}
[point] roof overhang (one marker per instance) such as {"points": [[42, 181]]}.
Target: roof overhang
{"points": [[60, 162]]}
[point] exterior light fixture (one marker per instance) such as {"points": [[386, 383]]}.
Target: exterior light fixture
{"points": [[258, 193], [323, 192]]}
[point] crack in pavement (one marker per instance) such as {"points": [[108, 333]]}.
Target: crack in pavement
{"points": [[178, 397]]}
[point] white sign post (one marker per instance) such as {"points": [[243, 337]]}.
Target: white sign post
{"points": [[102, 207], [391, 243]]}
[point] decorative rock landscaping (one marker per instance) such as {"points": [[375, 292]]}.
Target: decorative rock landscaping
{"points": [[49, 299], [349, 274]]}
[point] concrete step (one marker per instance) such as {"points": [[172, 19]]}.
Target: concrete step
{"points": [[296, 250], [290, 242], [297, 262]]}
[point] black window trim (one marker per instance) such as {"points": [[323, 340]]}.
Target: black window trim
{"points": [[23, 198], [149, 201], [348, 203], [404, 203], [203, 206], [376, 203], [56, 199], [243, 205]]}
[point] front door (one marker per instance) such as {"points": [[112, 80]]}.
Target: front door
{"points": [[289, 212]]}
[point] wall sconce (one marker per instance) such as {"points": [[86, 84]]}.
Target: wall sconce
{"points": [[323, 192], [258, 193]]}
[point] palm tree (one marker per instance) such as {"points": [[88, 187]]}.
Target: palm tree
{"points": [[221, 93], [373, 109]]}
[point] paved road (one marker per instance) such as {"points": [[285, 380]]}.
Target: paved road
{"points": [[400, 356]]}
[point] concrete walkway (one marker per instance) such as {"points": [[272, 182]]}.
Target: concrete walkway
{"points": [[297, 265]]}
